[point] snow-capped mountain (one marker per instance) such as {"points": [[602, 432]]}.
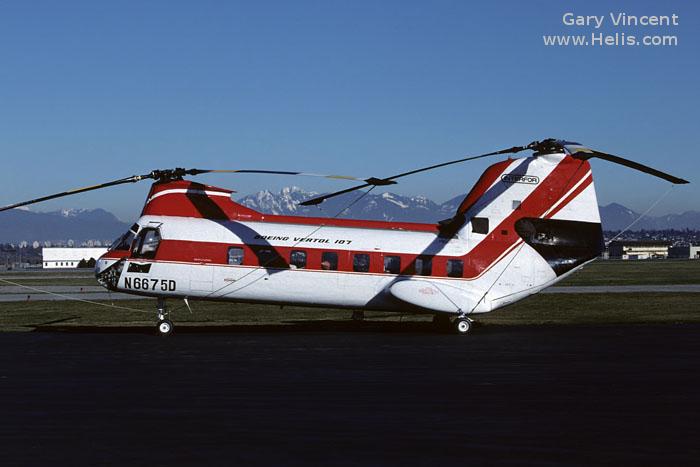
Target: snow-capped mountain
{"points": [[385, 206], [283, 203], [70, 212]]}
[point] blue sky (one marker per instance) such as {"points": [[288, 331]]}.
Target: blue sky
{"points": [[91, 91]]}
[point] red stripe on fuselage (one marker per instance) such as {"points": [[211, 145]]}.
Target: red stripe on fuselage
{"points": [[586, 183], [483, 184]]}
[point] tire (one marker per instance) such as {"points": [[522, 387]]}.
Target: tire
{"points": [[462, 326], [165, 327]]}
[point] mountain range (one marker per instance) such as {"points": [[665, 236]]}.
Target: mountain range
{"points": [[97, 224], [393, 207], [79, 225]]}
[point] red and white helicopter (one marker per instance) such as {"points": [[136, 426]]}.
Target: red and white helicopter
{"points": [[526, 224]]}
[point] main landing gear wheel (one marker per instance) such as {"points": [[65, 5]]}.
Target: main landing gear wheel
{"points": [[165, 327], [462, 325]]}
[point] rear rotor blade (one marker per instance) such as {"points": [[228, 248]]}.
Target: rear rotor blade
{"points": [[390, 180], [587, 153]]}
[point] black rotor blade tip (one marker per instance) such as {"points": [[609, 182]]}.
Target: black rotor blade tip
{"points": [[312, 202], [379, 181]]}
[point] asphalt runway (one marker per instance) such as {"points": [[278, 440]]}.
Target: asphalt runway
{"points": [[321, 395]]}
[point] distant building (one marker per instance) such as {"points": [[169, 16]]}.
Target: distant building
{"points": [[69, 257], [684, 252], [638, 249]]}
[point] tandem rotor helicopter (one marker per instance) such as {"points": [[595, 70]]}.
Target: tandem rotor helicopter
{"points": [[526, 224]]}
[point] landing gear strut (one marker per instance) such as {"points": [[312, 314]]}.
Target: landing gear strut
{"points": [[164, 326]]}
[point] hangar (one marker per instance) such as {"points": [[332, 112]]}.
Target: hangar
{"points": [[68, 257], [638, 249]]}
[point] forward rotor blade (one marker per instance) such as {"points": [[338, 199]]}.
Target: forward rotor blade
{"points": [[280, 172], [169, 174], [132, 179], [390, 180], [587, 153]]}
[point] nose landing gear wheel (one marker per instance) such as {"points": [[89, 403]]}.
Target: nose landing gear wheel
{"points": [[462, 325], [165, 327]]}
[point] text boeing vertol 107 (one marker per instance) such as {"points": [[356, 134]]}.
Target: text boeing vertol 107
{"points": [[526, 224]]}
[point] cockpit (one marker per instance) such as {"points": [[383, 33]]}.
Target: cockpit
{"points": [[146, 243], [123, 243], [136, 243]]}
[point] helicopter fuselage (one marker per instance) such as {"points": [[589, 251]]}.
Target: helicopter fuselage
{"points": [[526, 224]]}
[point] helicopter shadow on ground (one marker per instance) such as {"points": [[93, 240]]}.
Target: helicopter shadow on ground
{"points": [[285, 327]]}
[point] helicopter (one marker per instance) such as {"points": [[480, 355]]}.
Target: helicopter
{"points": [[526, 224]]}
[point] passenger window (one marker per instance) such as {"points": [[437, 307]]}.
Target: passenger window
{"points": [[455, 268], [146, 244], [329, 261], [269, 258], [480, 225], [235, 255], [392, 264], [424, 266], [516, 205], [360, 262], [298, 259]]}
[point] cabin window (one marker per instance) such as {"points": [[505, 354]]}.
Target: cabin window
{"points": [[516, 204], [329, 261], [297, 259], [392, 264], [146, 244], [269, 258], [455, 268], [424, 266], [235, 255], [360, 262], [480, 225]]}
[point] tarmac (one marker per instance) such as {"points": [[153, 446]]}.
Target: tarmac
{"points": [[575, 395]]}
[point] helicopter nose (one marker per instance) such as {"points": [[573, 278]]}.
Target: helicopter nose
{"points": [[102, 264]]}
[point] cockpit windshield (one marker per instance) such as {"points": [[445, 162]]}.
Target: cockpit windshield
{"points": [[124, 241]]}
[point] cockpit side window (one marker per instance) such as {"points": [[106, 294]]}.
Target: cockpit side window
{"points": [[124, 242], [146, 244]]}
